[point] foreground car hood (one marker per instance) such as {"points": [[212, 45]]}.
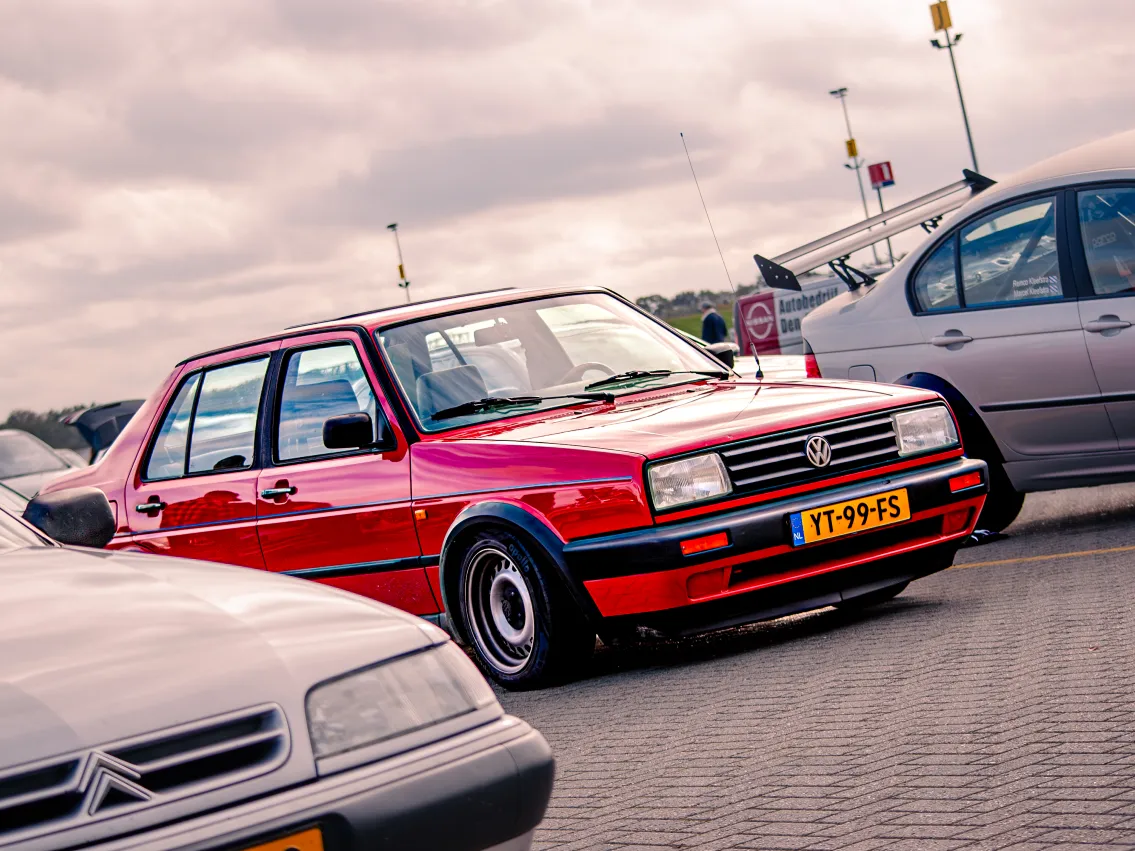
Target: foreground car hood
{"points": [[687, 418], [97, 646]]}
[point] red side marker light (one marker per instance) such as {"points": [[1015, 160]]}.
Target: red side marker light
{"points": [[956, 521], [705, 543], [964, 482], [811, 367]]}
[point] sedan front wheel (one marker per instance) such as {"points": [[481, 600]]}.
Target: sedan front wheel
{"points": [[525, 631]]}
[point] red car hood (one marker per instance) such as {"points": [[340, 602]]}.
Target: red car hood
{"points": [[681, 419]]}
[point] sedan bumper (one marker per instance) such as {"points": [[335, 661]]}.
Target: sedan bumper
{"points": [[643, 577], [486, 789]]}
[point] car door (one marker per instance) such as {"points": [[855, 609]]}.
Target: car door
{"points": [[193, 491], [1105, 265], [342, 517], [997, 310]]}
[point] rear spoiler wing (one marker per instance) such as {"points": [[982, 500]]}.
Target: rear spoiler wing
{"points": [[835, 248], [101, 424]]}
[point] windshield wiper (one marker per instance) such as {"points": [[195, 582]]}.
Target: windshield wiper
{"points": [[631, 375], [491, 403]]}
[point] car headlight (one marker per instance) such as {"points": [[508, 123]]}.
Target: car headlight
{"points": [[394, 698], [688, 480], [925, 429]]}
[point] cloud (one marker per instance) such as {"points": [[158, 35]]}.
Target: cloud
{"points": [[180, 175], [621, 151]]}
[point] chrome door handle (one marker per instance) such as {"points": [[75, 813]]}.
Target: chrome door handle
{"points": [[272, 493], [153, 506], [950, 338], [1107, 322]]}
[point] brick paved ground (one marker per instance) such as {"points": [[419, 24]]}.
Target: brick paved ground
{"points": [[984, 708]]}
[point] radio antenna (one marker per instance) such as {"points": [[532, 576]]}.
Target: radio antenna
{"points": [[728, 279]]}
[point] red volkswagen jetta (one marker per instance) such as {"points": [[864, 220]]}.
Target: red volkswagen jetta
{"points": [[539, 467]]}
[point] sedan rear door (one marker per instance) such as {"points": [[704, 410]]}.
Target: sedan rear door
{"points": [[997, 311]]}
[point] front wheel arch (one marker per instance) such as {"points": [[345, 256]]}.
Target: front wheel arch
{"points": [[517, 521]]}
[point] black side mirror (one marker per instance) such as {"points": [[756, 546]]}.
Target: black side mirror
{"points": [[723, 352], [349, 431], [81, 517]]}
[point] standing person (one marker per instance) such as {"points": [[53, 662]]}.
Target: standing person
{"points": [[713, 328]]}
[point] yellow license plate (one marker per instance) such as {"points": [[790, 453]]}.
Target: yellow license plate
{"points": [[308, 840], [847, 518]]}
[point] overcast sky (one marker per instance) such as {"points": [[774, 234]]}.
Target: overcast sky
{"points": [[184, 174]]}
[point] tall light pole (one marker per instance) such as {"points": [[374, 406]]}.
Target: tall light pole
{"points": [[403, 283], [853, 155], [940, 14]]}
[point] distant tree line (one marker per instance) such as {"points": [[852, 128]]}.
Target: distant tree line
{"points": [[685, 303], [46, 426]]}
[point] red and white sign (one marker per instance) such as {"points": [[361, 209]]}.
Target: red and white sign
{"points": [[768, 322], [881, 175]]}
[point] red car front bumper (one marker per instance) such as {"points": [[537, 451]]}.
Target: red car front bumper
{"points": [[644, 577]]}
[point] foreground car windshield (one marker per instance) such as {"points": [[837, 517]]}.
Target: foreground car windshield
{"points": [[21, 455], [538, 348]]}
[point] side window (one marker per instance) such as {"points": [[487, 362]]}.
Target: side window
{"points": [[223, 436], [1107, 224], [936, 285], [1010, 256], [320, 384], [167, 457]]}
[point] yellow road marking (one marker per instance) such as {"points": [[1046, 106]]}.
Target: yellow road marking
{"points": [[1045, 558]]}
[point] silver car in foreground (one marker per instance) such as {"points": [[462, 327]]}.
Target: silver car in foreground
{"points": [[1020, 310], [154, 703]]}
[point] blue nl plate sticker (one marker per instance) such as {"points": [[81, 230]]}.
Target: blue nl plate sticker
{"points": [[797, 529]]}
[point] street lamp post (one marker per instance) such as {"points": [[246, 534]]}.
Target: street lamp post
{"points": [[853, 155], [403, 283], [940, 14]]}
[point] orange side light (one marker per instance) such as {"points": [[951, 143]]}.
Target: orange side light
{"points": [[961, 483], [705, 543]]}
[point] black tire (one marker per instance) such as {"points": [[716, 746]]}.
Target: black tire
{"points": [[874, 598], [1003, 503], [524, 629]]}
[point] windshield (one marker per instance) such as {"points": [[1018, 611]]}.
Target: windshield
{"points": [[15, 535], [538, 348], [22, 454]]}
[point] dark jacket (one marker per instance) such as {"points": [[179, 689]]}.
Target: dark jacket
{"points": [[713, 328]]}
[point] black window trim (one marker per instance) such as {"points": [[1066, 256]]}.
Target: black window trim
{"points": [[1069, 292], [200, 371], [271, 441], [1079, 253]]}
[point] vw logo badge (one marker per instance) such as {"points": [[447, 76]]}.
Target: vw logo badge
{"points": [[819, 451]]}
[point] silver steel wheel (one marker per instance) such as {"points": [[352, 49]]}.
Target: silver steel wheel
{"points": [[500, 611]]}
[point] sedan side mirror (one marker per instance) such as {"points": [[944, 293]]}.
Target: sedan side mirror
{"points": [[724, 352], [80, 517], [350, 431]]}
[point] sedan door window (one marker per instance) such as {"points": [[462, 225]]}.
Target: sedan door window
{"points": [[320, 384], [1010, 256], [1107, 223], [224, 423], [936, 284], [211, 424], [167, 457]]}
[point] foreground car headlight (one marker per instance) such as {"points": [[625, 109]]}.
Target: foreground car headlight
{"points": [[394, 698], [688, 480], [924, 430]]}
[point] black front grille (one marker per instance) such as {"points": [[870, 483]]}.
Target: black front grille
{"points": [[781, 460], [163, 766]]}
